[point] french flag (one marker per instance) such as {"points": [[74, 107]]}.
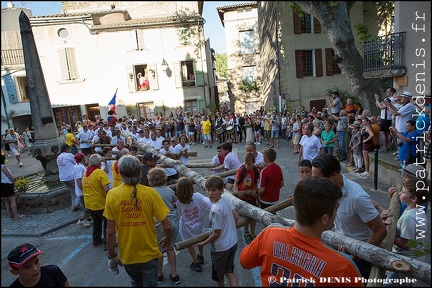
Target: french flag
{"points": [[112, 103]]}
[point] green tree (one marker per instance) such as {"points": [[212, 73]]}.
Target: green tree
{"points": [[334, 18], [221, 65]]}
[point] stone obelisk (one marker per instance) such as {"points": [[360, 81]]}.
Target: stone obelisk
{"points": [[47, 145]]}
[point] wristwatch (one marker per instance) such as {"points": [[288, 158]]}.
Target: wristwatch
{"points": [[115, 255]]}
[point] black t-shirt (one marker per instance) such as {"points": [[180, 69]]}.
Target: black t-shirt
{"points": [[51, 276]]}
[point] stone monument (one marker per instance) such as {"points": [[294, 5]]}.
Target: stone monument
{"points": [[47, 145]]}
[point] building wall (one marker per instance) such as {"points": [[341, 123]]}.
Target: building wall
{"points": [[278, 62], [414, 18], [238, 19], [105, 58]]}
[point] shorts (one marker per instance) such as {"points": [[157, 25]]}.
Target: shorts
{"points": [[14, 151], [267, 133], [86, 151], [385, 124], [368, 146], [206, 137], [222, 263], [160, 233], [296, 140], [230, 181], [7, 190], [191, 133], [274, 133]]}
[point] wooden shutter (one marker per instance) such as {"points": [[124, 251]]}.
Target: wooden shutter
{"points": [[72, 63], [131, 82], [178, 75], [297, 23], [318, 63], [199, 75], [63, 64], [317, 26], [329, 61], [153, 81], [137, 39], [11, 89], [299, 63]]}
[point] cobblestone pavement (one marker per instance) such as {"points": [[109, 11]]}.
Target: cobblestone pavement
{"points": [[69, 245]]}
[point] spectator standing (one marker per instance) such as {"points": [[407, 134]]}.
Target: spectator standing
{"points": [[271, 180], [190, 209], [79, 170], [148, 162], [95, 188], [71, 141], [376, 130], [341, 126], [328, 137], [310, 145], [157, 179], [8, 190], [356, 215], [223, 224], [275, 127], [385, 117], [206, 129], [408, 149], [137, 244], [315, 203], [356, 146], [183, 149], [297, 135], [367, 144], [335, 103], [66, 167], [404, 113], [12, 139], [28, 139], [231, 162]]}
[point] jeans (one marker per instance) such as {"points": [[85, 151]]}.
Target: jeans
{"points": [[143, 273], [328, 150], [341, 136]]}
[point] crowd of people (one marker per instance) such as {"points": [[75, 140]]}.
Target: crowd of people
{"points": [[118, 190]]}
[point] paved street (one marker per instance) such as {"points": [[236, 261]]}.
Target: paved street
{"points": [[69, 245]]}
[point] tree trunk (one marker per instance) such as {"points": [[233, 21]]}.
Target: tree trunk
{"points": [[334, 18], [371, 253]]}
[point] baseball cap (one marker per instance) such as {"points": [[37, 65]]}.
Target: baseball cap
{"points": [[21, 254], [407, 94], [78, 157], [411, 169], [150, 157]]}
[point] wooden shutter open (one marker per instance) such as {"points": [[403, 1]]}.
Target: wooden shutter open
{"points": [[297, 23], [318, 63], [329, 61], [299, 63], [317, 26]]}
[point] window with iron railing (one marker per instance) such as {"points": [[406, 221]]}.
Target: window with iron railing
{"points": [[386, 53]]}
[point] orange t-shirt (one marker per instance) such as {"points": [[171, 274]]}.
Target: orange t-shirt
{"points": [[286, 256]]}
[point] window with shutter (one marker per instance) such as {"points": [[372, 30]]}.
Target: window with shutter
{"points": [[297, 23], [11, 89], [247, 42], [318, 63], [68, 65], [188, 73], [299, 63], [306, 23], [137, 39]]}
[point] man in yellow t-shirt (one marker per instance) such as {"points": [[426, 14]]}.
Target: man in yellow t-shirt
{"points": [[71, 141], [95, 184], [131, 209], [206, 130]]}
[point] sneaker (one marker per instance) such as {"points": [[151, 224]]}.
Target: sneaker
{"points": [[20, 164], [160, 279], [364, 174], [84, 223], [200, 259], [175, 279], [258, 143], [205, 146], [195, 267], [248, 238], [90, 221]]}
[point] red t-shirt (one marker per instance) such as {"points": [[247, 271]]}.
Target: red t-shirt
{"points": [[270, 178], [249, 182]]}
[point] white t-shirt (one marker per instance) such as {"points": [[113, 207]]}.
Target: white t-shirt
{"points": [[85, 139], [406, 113], [179, 148], [310, 147], [79, 173], [191, 216], [221, 218], [66, 164], [231, 162], [168, 170]]}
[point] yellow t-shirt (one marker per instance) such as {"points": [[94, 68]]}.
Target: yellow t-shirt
{"points": [[69, 139], [117, 179], [267, 124], [93, 191], [137, 239], [206, 127]]}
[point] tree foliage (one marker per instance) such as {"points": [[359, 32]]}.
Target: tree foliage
{"points": [[221, 65]]}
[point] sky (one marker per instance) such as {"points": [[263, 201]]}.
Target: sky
{"points": [[213, 28]]}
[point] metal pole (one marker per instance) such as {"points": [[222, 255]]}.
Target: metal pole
{"points": [[376, 170]]}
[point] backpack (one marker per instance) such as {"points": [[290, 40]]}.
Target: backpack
{"points": [[243, 173]]}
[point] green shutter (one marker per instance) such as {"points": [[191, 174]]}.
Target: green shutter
{"points": [[199, 74]]}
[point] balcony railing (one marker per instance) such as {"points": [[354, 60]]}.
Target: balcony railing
{"points": [[12, 57], [384, 57]]}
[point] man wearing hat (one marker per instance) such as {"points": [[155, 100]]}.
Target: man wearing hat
{"points": [[24, 263], [148, 162], [404, 113]]}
